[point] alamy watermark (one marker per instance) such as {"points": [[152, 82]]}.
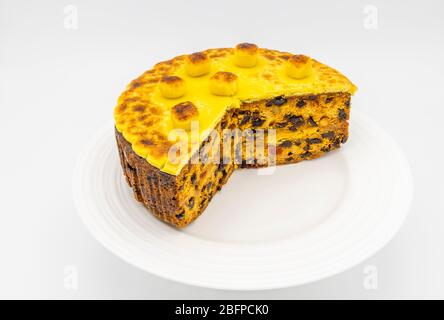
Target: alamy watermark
{"points": [[241, 147], [370, 17], [71, 20], [370, 277], [71, 278]]}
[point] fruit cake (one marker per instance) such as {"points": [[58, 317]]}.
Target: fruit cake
{"points": [[184, 126]]}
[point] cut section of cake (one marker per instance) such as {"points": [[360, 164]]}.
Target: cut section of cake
{"points": [[184, 126]]}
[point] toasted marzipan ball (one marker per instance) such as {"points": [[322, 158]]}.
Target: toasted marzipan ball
{"points": [[183, 114], [223, 83], [299, 66], [172, 87], [245, 55], [197, 64]]}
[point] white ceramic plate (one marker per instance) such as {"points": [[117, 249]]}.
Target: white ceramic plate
{"points": [[302, 223]]}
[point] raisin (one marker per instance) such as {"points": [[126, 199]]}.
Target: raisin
{"points": [[193, 178], [245, 119], [342, 114], [307, 147], [306, 154], [289, 159], [312, 97], [329, 99], [257, 121], [328, 135], [347, 103], [279, 101], [180, 215], [296, 121], [325, 149], [337, 143], [290, 153], [209, 185], [314, 141], [300, 103], [344, 139], [312, 122], [285, 144], [281, 125], [191, 203]]}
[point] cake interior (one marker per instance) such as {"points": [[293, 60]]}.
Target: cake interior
{"points": [[301, 128]]}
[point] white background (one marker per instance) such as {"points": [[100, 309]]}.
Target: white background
{"points": [[58, 86]]}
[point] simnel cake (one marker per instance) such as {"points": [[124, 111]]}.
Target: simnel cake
{"points": [[184, 126]]}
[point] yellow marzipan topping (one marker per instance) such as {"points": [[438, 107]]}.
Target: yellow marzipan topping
{"points": [[144, 111]]}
